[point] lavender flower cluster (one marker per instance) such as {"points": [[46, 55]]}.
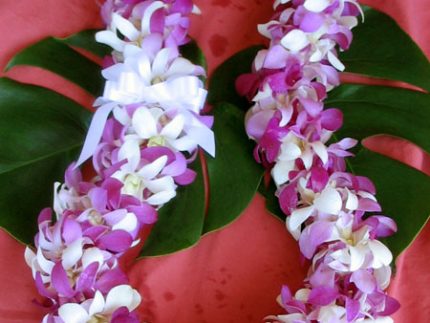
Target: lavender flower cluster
{"points": [[329, 211], [145, 132]]}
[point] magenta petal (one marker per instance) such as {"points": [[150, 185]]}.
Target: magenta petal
{"points": [[247, 85], [332, 119], [41, 287], [386, 226], [322, 295], [288, 198], [312, 107], [286, 295], [60, 281], [176, 167], [319, 179], [352, 309], [313, 236], [113, 188], [320, 89], [182, 6], [72, 176], [311, 22], [145, 213], [122, 315], [368, 205], [71, 231], [150, 154], [110, 279], [257, 123], [45, 215], [186, 178], [365, 184], [98, 198], [115, 241], [94, 232], [276, 57], [87, 278], [391, 306]]}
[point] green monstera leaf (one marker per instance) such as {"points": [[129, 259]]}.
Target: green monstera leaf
{"points": [[380, 50], [41, 131]]}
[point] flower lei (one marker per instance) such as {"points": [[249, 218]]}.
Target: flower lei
{"points": [[145, 132], [327, 207], [147, 129]]}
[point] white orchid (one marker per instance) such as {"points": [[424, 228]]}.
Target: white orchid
{"points": [[359, 250], [100, 309], [294, 148], [138, 178], [128, 29], [183, 132], [331, 201]]}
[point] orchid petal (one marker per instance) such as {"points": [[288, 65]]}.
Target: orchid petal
{"points": [[281, 171], [92, 255], [146, 20], [72, 254], [124, 26], [174, 128], [109, 38], [295, 40], [121, 296], [153, 169], [357, 257], [329, 201], [159, 65], [382, 256], [128, 223], [97, 304], [321, 150], [335, 61], [316, 5], [130, 151], [144, 124], [73, 313], [165, 183], [299, 216], [161, 198]]}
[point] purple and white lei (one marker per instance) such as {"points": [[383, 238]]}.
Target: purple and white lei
{"points": [[146, 130], [327, 208]]}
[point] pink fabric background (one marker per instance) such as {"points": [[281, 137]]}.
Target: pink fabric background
{"points": [[233, 275]]}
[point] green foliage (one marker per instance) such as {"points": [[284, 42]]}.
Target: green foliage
{"points": [[55, 55], [382, 49], [41, 132], [234, 176]]}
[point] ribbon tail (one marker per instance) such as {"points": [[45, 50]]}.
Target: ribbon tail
{"points": [[95, 132], [204, 137]]}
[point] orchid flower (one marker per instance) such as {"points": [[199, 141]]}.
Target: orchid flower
{"points": [[102, 309]]}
